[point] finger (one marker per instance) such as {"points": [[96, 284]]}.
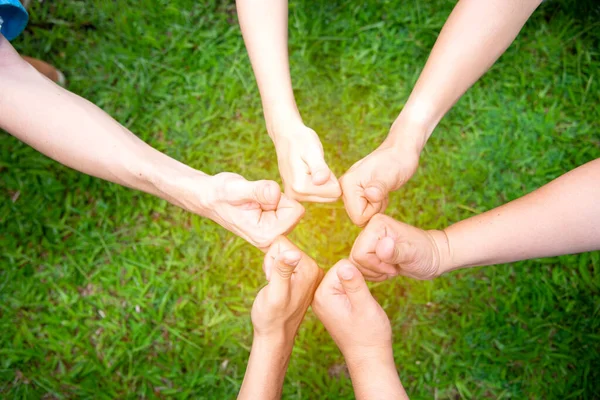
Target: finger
{"points": [[314, 199], [354, 200], [379, 278], [268, 262], [265, 193], [376, 191], [288, 214], [371, 264], [363, 253], [368, 273], [303, 188], [307, 278], [330, 194], [326, 288], [353, 283], [317, 168], [278, 246], [371, 210], [308, 192], [281, 275], [386, 250], [392, 252]]}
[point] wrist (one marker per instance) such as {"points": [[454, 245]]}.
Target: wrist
{"points": [[412, 128], [376, 378], [367, 357], [276, 345], [179, 184], [368, 367], [443, 251], [282, 121]]}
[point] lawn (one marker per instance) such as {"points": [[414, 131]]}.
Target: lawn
{"points": [[110, 293]]}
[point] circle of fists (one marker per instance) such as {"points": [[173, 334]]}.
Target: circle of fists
{"points": [[259, 212]]}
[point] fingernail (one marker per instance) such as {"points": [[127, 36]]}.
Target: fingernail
{"points": [[346, 273]]}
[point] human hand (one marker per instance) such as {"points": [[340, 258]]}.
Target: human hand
{"points": [[293, 278], [255, 211], [276, 315], [366, 185], [387, 248], [305, 174], [351, 315], [361, 330]]}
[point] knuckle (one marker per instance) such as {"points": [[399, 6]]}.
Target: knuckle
{"points": [[358, 257], [285, 272], [298, 187]]}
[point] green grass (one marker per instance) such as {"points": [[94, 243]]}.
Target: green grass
{"points": [[109, 293]]}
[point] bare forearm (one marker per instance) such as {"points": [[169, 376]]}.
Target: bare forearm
{"points": [[266, 370], [375, 378], [562, 217], [472, 39], [76, 133], [264, 26]]}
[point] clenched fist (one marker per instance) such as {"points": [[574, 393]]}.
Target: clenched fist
{"points": [[255, 211], [367, 184], [387, 248], [305, 174]]}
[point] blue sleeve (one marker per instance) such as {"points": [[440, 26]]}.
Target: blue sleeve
{"points": [[13, 18]]}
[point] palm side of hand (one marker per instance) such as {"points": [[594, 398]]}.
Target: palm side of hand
{"points": [[277, 309], [351, 315]]}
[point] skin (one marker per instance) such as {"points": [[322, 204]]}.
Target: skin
{"points": [[76, 133], [361, 330], [472, 39], [305, 174], [277, 313], [562, 217]]}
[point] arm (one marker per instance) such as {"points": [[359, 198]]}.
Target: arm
{"points": [[305, 174], [472, 39], [376, 377], [266, 368], [361, 330], [76, 133], [562, 217], [264, 25], [277, 312]]}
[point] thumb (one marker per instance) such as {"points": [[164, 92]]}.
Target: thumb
{"points": [[318, 168], [376, 191], [353, 283], [281, 275], [266, 193], [390, 252]]}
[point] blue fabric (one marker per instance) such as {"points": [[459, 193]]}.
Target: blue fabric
{"points": [[14, 18]]}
